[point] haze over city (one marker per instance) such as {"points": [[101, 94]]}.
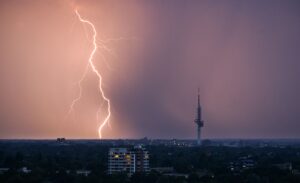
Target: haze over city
{"points": [[242, 55]]}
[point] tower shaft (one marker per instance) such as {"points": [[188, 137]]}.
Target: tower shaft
{"points": [[198, 135]]}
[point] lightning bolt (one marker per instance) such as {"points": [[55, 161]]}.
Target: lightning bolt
{"points": [[92, 66]]}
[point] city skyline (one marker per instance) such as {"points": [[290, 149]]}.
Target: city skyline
{"points": [[243, 55]]}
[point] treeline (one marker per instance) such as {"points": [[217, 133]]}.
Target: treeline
{"points": [[50, 161]]}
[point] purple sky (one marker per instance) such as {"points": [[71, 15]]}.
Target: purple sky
{"points": [[243, 55]]}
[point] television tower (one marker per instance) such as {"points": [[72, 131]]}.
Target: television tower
{"points": [[198, 120]]}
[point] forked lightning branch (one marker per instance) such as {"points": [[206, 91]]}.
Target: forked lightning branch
{"points": [[91, 67]]}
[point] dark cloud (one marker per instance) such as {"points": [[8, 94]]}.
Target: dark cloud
{"points": [[243, 55]]}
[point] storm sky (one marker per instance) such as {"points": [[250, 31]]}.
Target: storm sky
{"points": [[243, 55]]}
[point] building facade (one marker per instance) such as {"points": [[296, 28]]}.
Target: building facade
{"points": [[128, 160], [121, 160], [141, 159]]}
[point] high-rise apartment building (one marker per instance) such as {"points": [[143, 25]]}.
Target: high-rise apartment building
{"points": [[128, 160]]}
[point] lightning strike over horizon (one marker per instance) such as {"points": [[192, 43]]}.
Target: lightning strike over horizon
{"points": [[97, 73]]}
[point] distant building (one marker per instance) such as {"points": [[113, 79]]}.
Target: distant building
{"points": [[83, 172], [163, 169], [243, 163], [128, 160], [2, 170], [25, 170], [61, 140], [284, 166]]}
